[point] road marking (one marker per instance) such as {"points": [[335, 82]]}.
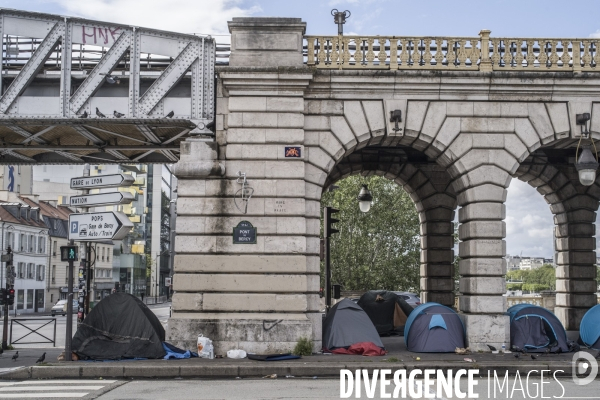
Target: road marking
{"points": [[59, 381], [36, 388], [68, 388], [40, 395]]}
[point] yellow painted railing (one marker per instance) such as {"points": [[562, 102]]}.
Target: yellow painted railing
{"points": [[453, 53]]}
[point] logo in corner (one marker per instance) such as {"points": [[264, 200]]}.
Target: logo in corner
{"points": [[583, 364]]}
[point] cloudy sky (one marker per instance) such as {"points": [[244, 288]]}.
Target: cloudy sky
{"points": [[529, 221]]}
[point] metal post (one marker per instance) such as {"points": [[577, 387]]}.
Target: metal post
{"points": [[327, 275], [8, 266], [69, 336], [88, 278]]}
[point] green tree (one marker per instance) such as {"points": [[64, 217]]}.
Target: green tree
{"points": [[543, 278], [379, 249]]}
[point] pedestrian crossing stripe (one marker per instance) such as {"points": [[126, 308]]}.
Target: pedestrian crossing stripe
{"points": [[42, 389]]}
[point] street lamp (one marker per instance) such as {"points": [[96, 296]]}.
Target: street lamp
{"points": [[364, 199], [586, 164]]}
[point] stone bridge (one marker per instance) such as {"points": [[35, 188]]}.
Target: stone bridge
{"points": [[475, 114]]}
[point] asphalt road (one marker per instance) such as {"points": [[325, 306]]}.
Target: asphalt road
{"points": [[29, 353], [280, 388]]}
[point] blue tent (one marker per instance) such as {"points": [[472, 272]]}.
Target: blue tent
{"points": [[535, 329], [434, 328], [589, 329]]}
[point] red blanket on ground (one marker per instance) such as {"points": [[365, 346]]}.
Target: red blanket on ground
{"points": [[364, 348]]}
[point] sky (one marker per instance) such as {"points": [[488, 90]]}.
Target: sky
{"points": [[529, 221]]}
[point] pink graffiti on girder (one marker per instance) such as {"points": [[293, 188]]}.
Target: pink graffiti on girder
{"points": [[99, 36]]}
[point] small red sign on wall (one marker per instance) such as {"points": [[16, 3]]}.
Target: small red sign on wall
{"points": [[293, 151]]}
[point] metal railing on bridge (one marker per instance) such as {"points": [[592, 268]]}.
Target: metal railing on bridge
{"points": [[482, 53]]}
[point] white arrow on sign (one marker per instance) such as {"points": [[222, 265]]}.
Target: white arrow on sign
{"points": [[101, 199], [99, 226], [101, 181]]}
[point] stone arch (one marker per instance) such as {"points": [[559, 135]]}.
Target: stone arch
{"points": [[429, 186], [574, 208]]}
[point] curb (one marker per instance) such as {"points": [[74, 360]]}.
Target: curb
{"points": [[258, 370]]}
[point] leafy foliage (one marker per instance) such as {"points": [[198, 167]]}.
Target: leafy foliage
{"points": [[303, 347], [378, 249], [535, 280]]}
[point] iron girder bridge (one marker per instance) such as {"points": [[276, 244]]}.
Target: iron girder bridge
{"points": [[83, 91]]}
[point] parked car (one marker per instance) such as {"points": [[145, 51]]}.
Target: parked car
{"points": [[411, 298], [60, 308]]}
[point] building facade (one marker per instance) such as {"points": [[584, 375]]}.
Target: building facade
{"points": [[24, 231]]}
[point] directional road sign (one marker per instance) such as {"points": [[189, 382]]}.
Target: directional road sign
{"points": [[101, 181], [101, 199], [99, 226]]}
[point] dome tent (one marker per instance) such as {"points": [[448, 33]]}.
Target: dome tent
{"points": [[120, 326], [387, 311], [535, 329], [347, 324], [589, 329], [434, 328]]}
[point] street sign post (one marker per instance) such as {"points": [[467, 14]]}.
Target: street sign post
{"points": [[101, 199], [101, 181], [99, 226]]}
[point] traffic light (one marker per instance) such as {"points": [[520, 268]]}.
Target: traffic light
{"points": [[3, 296], [329, 221], [11, 297], [69, 253]]}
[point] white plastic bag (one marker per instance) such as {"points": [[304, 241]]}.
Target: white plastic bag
{"points": [[205, 347], [236, 354]]}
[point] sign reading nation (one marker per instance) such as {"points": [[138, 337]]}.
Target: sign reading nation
{"points": [[244, 233]]}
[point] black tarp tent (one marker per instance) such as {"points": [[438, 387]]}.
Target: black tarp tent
{"points": [[434, 328], [387, 311], [346, 324], [120, 326], [535, 329]]}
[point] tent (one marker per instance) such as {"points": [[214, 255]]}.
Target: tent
{"points": [[589, 329], [120, 326], [434, 328], [535, 329], [387, 311], [347, 324]]}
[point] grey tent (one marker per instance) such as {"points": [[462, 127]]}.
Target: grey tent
{"points": [[535, 329], [387, 311], [347, 324], [120, 326], [434, 328]]}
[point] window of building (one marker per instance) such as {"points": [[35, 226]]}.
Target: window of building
{"points": [[31, 243], [30, 299], [41, 272], [51, 298], [40, 298], [20, 299], [103, 254], [21, 270], [53, 272], [41, 245], [55, 248], [23, 242], [30, 270], [55, 224]]}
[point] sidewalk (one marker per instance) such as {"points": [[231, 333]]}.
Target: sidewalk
{"points": [[321, 366]]}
